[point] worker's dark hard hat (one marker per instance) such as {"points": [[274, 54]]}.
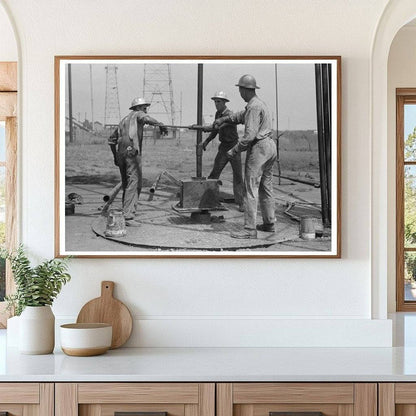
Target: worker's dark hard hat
{"points": [[139, 101], [220, 95], [247, 81]]}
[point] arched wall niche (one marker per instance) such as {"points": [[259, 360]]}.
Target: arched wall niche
{"points": [[8, 53], [396, 15], [401, 74]]}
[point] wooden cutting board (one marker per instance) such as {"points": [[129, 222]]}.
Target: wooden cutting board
{"points": [[107, 309]]}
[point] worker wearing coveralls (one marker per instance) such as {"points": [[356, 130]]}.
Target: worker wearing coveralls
{"points": [[228, 138], [261, 156], [126, 145]]}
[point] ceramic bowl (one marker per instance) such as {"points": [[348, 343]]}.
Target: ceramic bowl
{"points": [[83, 340]]}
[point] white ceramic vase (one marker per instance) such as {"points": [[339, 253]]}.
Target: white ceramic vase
{"points": [[37, 330], [13, 331]]}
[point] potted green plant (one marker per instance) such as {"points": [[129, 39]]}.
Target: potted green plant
{"points": [[36, 289]]}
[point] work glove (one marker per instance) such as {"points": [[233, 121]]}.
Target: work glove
{"points": [[163, 130]]}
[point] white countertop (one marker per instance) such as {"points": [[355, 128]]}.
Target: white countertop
{"points": [[213, 364]]}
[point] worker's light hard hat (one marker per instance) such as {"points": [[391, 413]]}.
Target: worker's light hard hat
{"points": [[220, 95], [138, 101], [247, 81]]}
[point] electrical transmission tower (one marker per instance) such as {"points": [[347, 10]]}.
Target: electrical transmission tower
{"points": [[158, 90], [112, 103]]}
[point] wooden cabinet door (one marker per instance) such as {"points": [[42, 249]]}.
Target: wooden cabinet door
{"points": [[27, 399], [152, 399], [397, 399], [297, 399]]}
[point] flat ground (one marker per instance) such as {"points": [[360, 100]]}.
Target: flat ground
{"points": [[90, 172]]}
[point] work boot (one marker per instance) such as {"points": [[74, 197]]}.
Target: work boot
{"points": [[267, 228], [245, 234], [132, 223]]}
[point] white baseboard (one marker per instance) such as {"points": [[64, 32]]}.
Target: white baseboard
{"points": [[258, 332]]}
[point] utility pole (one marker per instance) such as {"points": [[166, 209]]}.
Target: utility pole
{"points": [[180, 121], [199, 121], [279, 172], [92, 100], [323, 108]]}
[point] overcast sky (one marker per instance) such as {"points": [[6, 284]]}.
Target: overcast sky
{"points": [[409, 119], [296, 90]]}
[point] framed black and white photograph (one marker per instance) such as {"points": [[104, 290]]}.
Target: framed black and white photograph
{"points": [[198, 156]]}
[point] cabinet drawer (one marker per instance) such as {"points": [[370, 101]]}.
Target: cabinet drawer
{"points": [[138, 393], [107, 399], [296, 399], [19, 393]]}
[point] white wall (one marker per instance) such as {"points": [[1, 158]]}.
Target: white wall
{"points": [[401, 74], [179, 302], [8, 46]]}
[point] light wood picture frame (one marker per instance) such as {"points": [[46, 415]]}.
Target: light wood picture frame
{"points": [[189, 205]]}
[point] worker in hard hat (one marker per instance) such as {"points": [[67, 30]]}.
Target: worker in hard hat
{"points": [[228, 138], [126, 146], [261, 157]]}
